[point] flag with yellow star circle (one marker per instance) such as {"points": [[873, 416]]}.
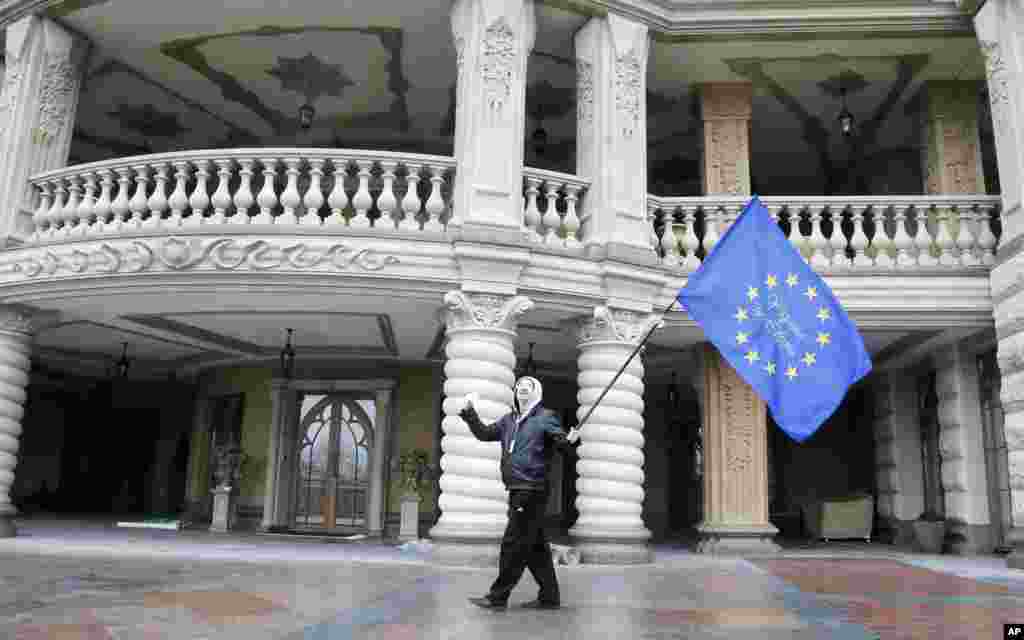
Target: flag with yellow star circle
{"points": [[776, 322]]}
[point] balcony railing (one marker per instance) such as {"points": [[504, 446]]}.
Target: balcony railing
{"points": [[841, 232], [288, 187], [551, 203]]}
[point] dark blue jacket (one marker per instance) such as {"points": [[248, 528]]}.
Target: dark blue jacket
{"points": [[527, 466]]}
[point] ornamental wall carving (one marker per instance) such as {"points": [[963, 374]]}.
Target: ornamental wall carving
{"points": [[179, 254], [56, 93], [998, 80], [483, 311], [497, 63], [628, 92], [584, 91]]}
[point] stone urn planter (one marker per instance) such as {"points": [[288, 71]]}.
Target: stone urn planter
{"points": [[415, 470], [930, 531]]}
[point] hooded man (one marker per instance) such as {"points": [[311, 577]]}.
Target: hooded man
{"points": [[527, 436]]}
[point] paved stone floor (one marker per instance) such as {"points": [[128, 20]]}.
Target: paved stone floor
{"points": [[81, 581]]}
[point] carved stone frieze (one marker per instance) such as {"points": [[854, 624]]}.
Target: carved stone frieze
{"points": [[497, 63], [483, 311], [12, 85], [998, 79], [628, 80], [460, 53], [179, 254], [617, 325], [55, 96], [584, 91], [737, 402]]}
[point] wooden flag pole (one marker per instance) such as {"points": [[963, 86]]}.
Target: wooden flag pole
{"points": [[623, 367]]}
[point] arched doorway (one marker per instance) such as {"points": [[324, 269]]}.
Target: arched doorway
{"points": [[335, 446]]}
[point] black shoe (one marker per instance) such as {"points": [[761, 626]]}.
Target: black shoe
{"points": [[487, 603], [540, 604]]}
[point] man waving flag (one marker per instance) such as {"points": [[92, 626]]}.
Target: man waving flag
{"points": [[776, 322]]}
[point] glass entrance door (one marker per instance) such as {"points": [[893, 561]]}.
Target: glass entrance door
{"points": [[336, 438]]}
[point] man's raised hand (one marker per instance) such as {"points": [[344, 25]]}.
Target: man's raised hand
{"points": [[470, 401], [574, 435]]}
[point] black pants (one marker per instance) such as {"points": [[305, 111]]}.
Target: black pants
{"points": [[524, 545]]}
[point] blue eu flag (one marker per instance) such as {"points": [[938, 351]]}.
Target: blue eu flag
{"points": [[776, 322]]}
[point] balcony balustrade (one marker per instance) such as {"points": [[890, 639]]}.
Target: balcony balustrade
{"points": [[841, 232]]}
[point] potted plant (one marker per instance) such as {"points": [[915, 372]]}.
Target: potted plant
{"points": [[930, 530], [414, 467]]}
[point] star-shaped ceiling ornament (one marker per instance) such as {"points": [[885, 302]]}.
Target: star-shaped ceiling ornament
{"points": [[311, 77]]}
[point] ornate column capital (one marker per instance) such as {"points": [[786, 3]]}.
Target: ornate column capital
{"points": [[617, 325], [17, 321], [483, 311]]}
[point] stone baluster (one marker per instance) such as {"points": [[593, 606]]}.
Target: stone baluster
{"points": [[943, 238], [314, 197], [139, 203], [56, 214], [881, 241], [610, 486], [42, 213], [571, 220], [221, 199], [435, 203], [669, 242], [70, 213], [690, 240], [837, 241], [710, 228], [103, 204], [859, 241], [817, 242], [552, 221], [411, 202], [243, 196], [15, 362], [531, 214], [986, 239], [480, 352], [290, 197], [901, 239], [119, 207], [157, 202], [923, 239], [85, 209], [795, 236], [337, 200], [179, 197], [200, 199], [652, 237], [386, 201], [362, 200], [266, 199], [965, 241]]}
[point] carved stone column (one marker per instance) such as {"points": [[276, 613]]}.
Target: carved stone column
{"points": [[37, 113], [1000, 28], [735, 463], [493, 40], [15, 351], [962, 446], [726, 110], [610, 487], [898, 468], [611, 65], [481, 334], [952, 150]]}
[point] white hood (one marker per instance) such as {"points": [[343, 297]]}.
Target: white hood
{"points": [[533, 399]]}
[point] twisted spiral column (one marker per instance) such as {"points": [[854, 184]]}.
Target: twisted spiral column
{"points": [[15, 349], [610, 487], [480, 333]]}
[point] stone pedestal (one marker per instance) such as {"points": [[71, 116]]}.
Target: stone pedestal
{"points": [[224, 508], [735, 463], [611, 65], [480, 334], [15, 351], [409, 528], [610, 487]]}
